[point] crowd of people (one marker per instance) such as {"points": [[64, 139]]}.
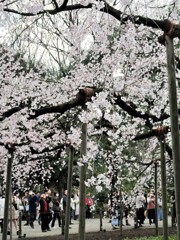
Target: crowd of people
{"points": [[146, 205], [47, 208], [142, 206]]}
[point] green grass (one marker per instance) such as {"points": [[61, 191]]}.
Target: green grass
{"points": [[153, 238]]}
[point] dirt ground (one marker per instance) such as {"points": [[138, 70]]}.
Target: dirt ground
{"points": [[111, 235]]}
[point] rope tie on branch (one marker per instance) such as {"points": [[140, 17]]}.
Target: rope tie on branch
{"points": [[156, 162], [10, 146], [161, 131], [86, 93], [171, 30]]}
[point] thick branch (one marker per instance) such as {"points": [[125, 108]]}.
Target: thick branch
{"points": [[132, 111], [57, 109], [154, 133], [140, 163], [16, 109], [15, 144], [159, 132], [10, 112], [165, 25], [80, 99], [145, 135], [47, 149]]}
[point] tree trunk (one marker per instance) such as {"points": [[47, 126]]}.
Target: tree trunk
{"points": [[174, 125], [7, 194], [82, 183], [164, 194], [68, 200]]}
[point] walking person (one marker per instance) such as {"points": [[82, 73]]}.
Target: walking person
{"points": [[76, 201], [50, 205], [2, 205], [89, 203], [33, 203], [56, 209], [13, 215], [73, 209], [26, 207], [116, 211], [19, 203], [160, 208], [44, 213], [63, 201], [139, 201], [125, 207], [151, 208]]}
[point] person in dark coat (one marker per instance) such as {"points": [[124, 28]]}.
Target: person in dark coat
{"points": [[33, 203], [50, 205], [56, 210], [45, 213]]}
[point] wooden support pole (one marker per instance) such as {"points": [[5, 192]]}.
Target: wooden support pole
{"points": [[82, 182], [163, 190], [10, 208], [7, 193], [174, 125], [69, 186], [20, 224], [156, 195]]}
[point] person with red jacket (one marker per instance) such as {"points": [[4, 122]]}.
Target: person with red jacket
{"points": [[151, 208], [89, 203], [45, 213]]}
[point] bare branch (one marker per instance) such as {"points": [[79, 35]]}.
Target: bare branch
{"points": [[28, 26], [15, 144], [131, 110], [55, 4], [159, 132], [64, 4], [79, 100], [149, 134], [10, 112], [47, 149], [165, 25]]}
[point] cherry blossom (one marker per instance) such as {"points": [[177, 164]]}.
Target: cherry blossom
{"points": [[131, 49]]}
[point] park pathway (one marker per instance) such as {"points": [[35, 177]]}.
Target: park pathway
{"points": [[92, 225]]}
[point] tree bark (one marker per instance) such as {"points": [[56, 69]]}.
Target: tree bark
{"points": [[7, 194], [174, 125], [69, 186], [164, 194], [82, 182]]}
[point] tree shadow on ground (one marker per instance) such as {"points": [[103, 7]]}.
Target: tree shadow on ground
{"points": [[112, 235]]}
